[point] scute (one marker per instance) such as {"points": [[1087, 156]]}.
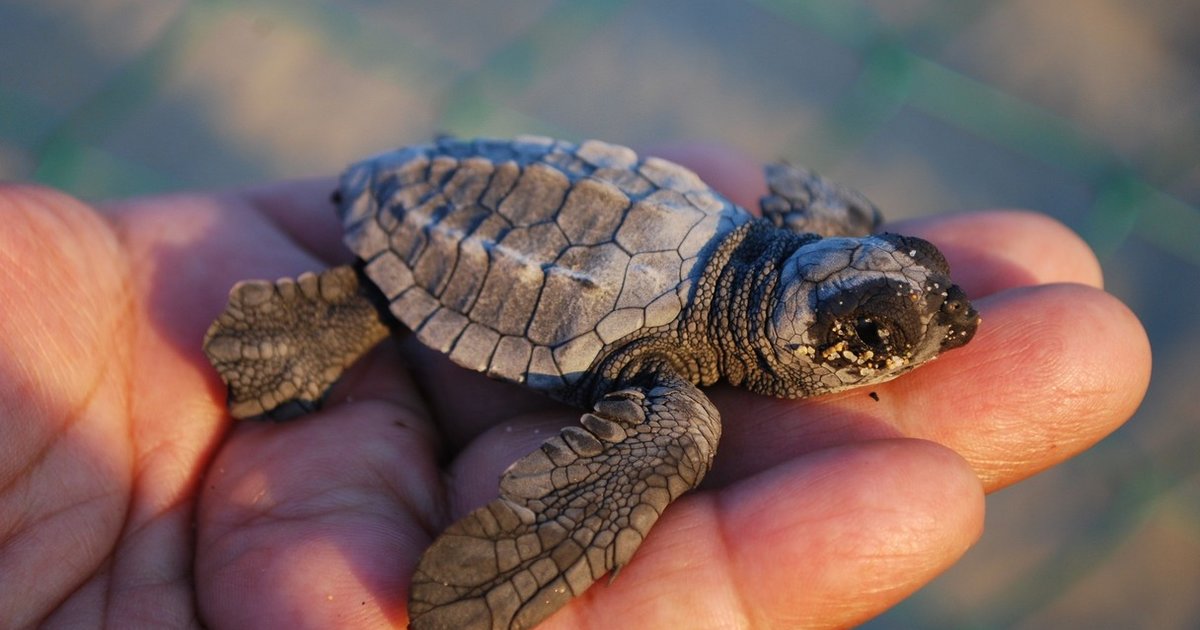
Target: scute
{"points": [[659, 222], [524, 259], [537, 196], [592, 212], [580, 289], [648, 276]]}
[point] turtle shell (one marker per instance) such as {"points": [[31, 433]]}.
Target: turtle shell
{"points": [[529, 259]]}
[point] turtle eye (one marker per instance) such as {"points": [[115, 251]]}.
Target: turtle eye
{"points": [[871, 332]]}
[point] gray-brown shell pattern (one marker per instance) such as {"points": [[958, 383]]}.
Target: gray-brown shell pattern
{"points": [[524, 259], [616, 283]]}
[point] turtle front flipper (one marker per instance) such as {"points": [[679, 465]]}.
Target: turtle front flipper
{"points": [[569, 512], [288, 341], [802, 201]]}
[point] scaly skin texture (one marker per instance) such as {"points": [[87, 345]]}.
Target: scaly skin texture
{"points": [[128, 499], [268, 351], [606, 281], [571, 511]]}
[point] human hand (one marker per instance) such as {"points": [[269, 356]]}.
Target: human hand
{"points": [[127, 497]]}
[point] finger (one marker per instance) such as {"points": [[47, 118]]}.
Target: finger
{"points": [[1061, 367], [317, 522], [827, 540], [1052, 370]]}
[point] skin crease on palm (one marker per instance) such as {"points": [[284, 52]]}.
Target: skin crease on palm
{"points": [[128, 497]]}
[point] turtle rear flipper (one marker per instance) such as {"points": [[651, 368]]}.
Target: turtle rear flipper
{"points": [[569, 512], [281, 345]]}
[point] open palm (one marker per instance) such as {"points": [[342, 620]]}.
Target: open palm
{"points": [[127, 497]]}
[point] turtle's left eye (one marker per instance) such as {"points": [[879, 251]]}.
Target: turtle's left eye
{"points": [[870, 332]]}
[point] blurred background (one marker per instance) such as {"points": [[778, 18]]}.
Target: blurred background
{"points": [[1088, 110]]}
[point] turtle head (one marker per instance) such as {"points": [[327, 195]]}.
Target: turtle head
{"points": [[855, 311]]}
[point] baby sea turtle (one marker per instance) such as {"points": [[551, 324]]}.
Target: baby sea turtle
{"points": [[606, 280]]}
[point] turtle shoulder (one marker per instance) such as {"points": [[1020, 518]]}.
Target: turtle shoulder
{"points": [[525, 259]]}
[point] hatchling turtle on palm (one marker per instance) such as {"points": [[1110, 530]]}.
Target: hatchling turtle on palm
{"points": [[605, 280]]}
